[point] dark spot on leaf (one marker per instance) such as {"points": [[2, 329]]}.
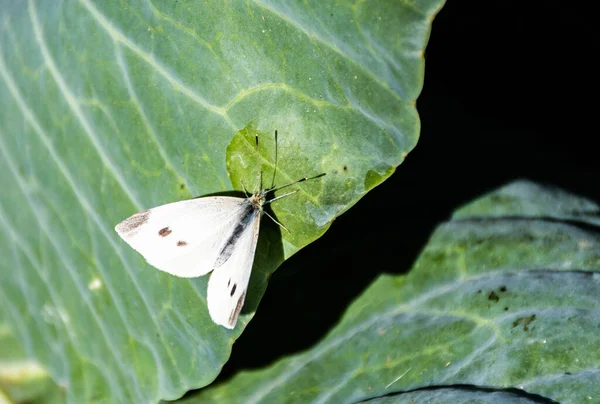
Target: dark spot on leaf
{"points": [[568, 373], [502, 288], [181, 243], [164, 232], [479, 291], [181, 186], [345, 168], [493, 296], [524, 321], [233, 289], [506, 309]]}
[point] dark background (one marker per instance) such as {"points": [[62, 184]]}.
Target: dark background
{"points": [[510, 92]]}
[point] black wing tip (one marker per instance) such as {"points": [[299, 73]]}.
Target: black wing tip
{"points": [[133, 223]]}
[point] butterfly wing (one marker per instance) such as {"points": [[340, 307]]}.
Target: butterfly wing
{"points": [[229, 282], [183, 238]]}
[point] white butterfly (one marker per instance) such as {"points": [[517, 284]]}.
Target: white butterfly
{"points": [[191, 238]]}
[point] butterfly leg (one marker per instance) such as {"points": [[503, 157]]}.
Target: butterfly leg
{"points": [[244, 188], [276, 222]]}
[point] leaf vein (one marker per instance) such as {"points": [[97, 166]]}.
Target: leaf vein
{"points": [[73, 104], [334, 48], [150, 130], [81, 198], [68, 265], [118, 36]]}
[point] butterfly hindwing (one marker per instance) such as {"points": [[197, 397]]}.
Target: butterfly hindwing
{"points": [[182, 238], [228, 283]]}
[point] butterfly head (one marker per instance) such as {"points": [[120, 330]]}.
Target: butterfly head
{"points": [[258, 199]]}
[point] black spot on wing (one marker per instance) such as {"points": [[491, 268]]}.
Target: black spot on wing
{"points": [[233, 289], [164, 232]]}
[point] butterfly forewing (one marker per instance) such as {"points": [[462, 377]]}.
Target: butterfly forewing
{"points": [[182, 238]]}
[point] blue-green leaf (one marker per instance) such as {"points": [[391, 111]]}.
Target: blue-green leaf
{"points": [[503, 300], [109, 108]]}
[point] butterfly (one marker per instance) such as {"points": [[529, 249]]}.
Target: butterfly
{"points": [[216, 233]]}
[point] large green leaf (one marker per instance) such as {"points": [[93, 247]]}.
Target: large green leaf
{"points": [[108, 108], [504, 296]]}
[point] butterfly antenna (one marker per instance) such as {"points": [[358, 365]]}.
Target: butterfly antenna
{"points": [[298, 181], [259, 164], [275, 169], [273, 219]]}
